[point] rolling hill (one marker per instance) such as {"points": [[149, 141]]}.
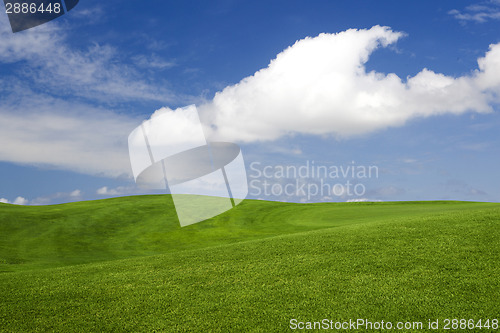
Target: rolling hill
{"points": [[124, 264]]}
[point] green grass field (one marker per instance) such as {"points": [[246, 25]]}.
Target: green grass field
{"points": [[124, 265]]}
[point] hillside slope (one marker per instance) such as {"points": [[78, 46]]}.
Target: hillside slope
{"points": [[118, 228], [393, 262]]}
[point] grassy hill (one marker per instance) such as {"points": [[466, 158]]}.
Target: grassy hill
{"points": [[253, 268]]}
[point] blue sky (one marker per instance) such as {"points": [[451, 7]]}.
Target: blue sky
{"points": [[73, 89]]}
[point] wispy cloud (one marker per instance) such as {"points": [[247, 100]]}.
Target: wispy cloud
{"points": [[42, 130], [66, 196], [50, 90], [477, 147], [89, 14], [363, 200], [98, 72], [318, 86], [120, 190], [480, 12], [152, 62], [456, 186]]}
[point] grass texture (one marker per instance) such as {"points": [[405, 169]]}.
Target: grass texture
{"points": [[124, 265]]}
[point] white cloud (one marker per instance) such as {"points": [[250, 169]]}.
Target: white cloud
{"points": [[283, 150], [120, 190], [41, 127], [320, 86], [317, 86], [17, 201], [20, 201], [153, 62], [67, 196], [363, 200], [479, 12], [42, 130], [89, 15], [103, 190], [454, 186], [76, 194]]}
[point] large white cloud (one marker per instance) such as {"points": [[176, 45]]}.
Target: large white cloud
{"points": [[317, 86], [320, 86]]}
